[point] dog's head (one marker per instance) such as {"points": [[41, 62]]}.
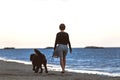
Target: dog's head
{"points": [[31, 57]]}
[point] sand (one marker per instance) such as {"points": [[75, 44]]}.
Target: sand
{"points": [[19, 71]]}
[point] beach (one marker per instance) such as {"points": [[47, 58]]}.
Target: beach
{"points": [[20, 71]]}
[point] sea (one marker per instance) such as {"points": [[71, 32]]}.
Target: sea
{"points": [[103, 61]]}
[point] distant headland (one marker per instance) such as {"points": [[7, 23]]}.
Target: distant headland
{"points": [[94, 47], [49, 47], [9, 48]]}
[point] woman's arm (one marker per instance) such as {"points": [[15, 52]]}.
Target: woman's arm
{"points": [[69, 44], [55, 42]]}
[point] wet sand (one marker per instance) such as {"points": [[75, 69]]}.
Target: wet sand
{"points": [[19, 71]]}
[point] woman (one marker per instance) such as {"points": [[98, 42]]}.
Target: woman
{"points": [[61, 42]]}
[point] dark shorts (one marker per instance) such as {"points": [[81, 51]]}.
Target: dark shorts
{"points": [[62, 50]]}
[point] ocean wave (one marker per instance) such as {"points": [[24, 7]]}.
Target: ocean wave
{"points": [[17, 61]]}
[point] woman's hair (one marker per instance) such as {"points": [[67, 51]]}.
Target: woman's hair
{"points": [[62, 26]]}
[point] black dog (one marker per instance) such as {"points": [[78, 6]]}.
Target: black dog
{"points": [[37, 60]]}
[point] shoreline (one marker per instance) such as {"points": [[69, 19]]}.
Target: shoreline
{"points": [[53, 67], [20, 71]]}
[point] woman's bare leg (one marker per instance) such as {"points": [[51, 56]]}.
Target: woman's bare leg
{"points": [[63, 63]]}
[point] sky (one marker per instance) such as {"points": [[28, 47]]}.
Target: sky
{"points": [[34, 23]]}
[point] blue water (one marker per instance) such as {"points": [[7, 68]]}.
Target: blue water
{"points": [[98, 61]]}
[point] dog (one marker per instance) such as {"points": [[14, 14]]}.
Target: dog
{"points": [[37, 60]]}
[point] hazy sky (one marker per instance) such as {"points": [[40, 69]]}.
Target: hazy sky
{"points": [[34, 23]]}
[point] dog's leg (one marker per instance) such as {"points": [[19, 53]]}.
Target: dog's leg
{"points": [[41, 68], [37, 69], [45, 66], [33, 68]]}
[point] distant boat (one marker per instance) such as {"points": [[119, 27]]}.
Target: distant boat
{"points": [[93, 47], [9, 48]]}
